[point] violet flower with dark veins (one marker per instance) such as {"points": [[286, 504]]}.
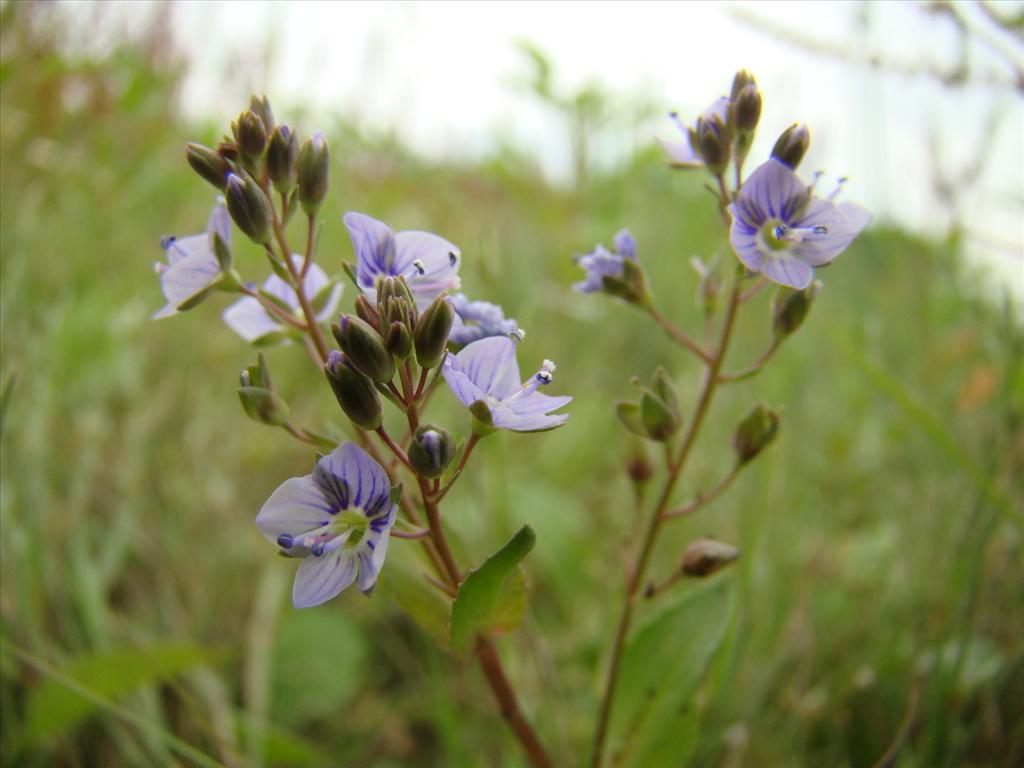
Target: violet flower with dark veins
{"points": [[338, 520], [429, 263], [192, 267], [475, 320], [486, 371], [601, 263], [782, 231]]}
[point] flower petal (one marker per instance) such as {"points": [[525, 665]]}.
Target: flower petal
{"points": [[844, 222], [371, 559], [219, 223], [296, 507], [776, 190], [439, 259], [504, 418], [374, 245], [625, 244], [743, 239], [681, 154], [250, 320], [491, 365], [187, 278], [476, 320], [315, 281], [178, 248], [785, 268], [350, 477], [459, 383], [321, 578]]}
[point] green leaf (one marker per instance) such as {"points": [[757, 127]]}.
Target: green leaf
{"points": [[53, 708], [479, 604], [662, 666], [404, 583]]}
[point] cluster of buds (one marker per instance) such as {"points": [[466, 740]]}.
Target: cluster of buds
{"points": [[260, 153]]}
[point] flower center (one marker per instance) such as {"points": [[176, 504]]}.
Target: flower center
{"points": [[776, 235], [347, 529]]}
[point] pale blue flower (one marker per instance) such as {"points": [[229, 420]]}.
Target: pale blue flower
{"points": [[487, 371], [192, 267], [601, 263], [338, 520], [429, 263], [248, 318], [782, 231], [475, 320]]}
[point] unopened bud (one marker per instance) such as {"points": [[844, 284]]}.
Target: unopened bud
{"points": [[249, 207], [629, 415], [792, 145], [364, 347], [209, 164], [431, 451], [659, 420], [263, 405], [638, 465], [313, 173], [432, 331], [250, 136], [790, 308], [742, 79], [282, 158], [355, 393], [704, 557], [366, 311], [483, 419], [713, 143], [399, 340], [260, 106], [755, 433], [745, 110], [631, 286], [257, 375]]}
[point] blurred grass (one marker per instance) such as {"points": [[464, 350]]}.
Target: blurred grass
{"points": [[882, 552]]}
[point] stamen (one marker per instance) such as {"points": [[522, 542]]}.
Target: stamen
{"points": [[419, 266], [517, 335], [545, 377], [284, 541], [453, 258], [839, 186], [548, 366], [674, 116], [167, 242]]}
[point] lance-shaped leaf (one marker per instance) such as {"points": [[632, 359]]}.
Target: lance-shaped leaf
{"points": [[478, 606]]}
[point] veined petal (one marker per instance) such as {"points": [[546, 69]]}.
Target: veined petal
{"points": [[321, 578], [371, 559], [250, 320], [785, 268], [505, 418], [743, 239], [348, 475], [536, 402], [374, 246], [296, 507], [178, 248], [459, 383], [776, 190], [187, 278], [219, 223], [491, 365], [439, 259], [844, 222]]}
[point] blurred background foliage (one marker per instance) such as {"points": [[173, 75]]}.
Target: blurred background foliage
{"points": [[878, 604]]}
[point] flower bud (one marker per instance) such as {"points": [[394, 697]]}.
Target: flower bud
{"points": [[257, 375], [249, 207], [659, 420], [431, 451], [250, 136], [313, 173], [742, 79], [432, 331], [282, 159], [792, 145], [745, 110], [209, 164], [399, 340], [704, 557], [631, 286], [789, 308], [629, 415], [263, 405], [755, 433], [638, 465], [260, 106], [366, 311], [713, 143], [483, 419], [355, 393], [364, 348]]}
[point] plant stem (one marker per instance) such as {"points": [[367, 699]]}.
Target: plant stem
{"points": [[654, 526], [679, 336], [705, 497]]}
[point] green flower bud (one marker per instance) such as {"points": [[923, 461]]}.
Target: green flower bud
{"points": [[260, 106], [745, 110], [483, 419], [713, 141], [631, 286], [209, 164], [755, 433], [366, 311], [629, 415], [264, 406], [792, 145], [399, 340], [742, 79], [432, 331], [790, 308], [249, 207], [250, 136], [704, 557], [364, 348], [662, 386], [313, 173], [355, 393], [282, 159], [257, 375], [659, 420], [431, 451]]}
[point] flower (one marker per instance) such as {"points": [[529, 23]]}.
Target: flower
{"points": [[250, 320], [684, 154], [429, 263], [475, 320], [338, 520], [782, 231], [486, 371], [600, 263], [192, 267]]}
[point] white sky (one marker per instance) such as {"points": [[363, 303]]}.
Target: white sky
{"points": [[439, 75]]}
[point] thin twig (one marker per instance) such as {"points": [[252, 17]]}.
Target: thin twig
{"points": [[704, 497], [679, 336]]}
